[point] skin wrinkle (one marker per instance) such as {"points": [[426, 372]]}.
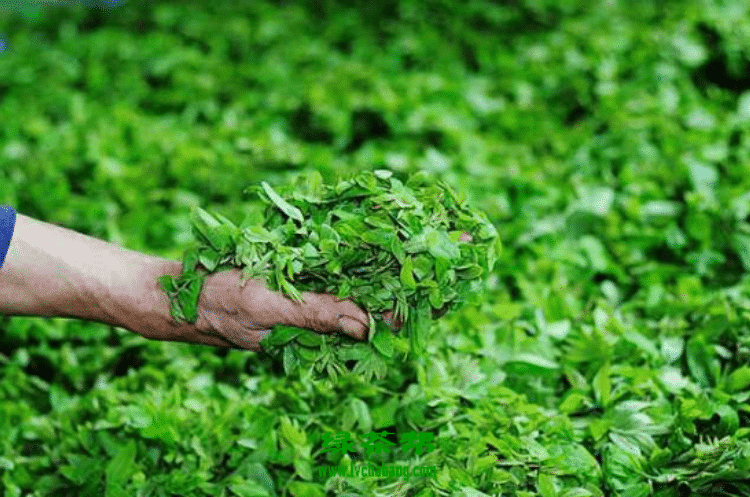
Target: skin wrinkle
{"points": [[230, 320]]}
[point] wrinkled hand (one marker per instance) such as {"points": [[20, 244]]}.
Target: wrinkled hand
{"points": [[241, 316]]}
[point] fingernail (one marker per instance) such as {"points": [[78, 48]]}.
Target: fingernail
{"points": [[350, 326]]}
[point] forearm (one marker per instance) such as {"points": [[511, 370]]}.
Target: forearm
{"points": [[55, 272]]}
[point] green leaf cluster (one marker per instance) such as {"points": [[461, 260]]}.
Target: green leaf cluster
{"points": [[384, 243]]}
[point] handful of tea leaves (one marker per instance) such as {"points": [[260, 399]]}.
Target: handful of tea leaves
{"points": [[372, 238]]}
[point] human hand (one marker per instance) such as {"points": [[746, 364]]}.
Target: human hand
{"points": [[241, 316], [231, 314]]}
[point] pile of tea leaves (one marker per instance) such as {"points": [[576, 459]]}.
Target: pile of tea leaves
{"points": [[384, 243]]}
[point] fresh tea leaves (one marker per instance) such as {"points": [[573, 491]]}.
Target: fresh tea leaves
{"points": [[381, 242]]}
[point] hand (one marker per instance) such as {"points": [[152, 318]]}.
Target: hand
{"points": [[237, 316], [240, 317]]}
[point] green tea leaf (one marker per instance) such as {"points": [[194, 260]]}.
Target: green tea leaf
{"points": [[257, 234], [210, 229], [436, 298], [210, 259], [310, 187], [382, 174], [281, 335], [420, 327], [383, 340], [407, 276], [188, 297], [120, 468], [310, 339], [603, 386], [290, 291], [249, 489], [290, 359], [285, 207]]}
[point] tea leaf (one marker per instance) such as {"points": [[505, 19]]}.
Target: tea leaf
{"points": [[407, 276], [383, 341], [286, 208]]}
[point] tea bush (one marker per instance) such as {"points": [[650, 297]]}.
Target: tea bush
{"points": [[608, 352]]}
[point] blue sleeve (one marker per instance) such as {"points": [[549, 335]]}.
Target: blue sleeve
{"points": [[7, 223]]}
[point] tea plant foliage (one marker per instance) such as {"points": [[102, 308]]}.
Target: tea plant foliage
{"points": [[607, 351]]}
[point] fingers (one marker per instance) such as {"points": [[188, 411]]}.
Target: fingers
{"points": [[326, 314], [329, 315], [465, 237], [319, 312]]}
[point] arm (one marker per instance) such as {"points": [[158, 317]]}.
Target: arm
{"points": [[55, 272]]}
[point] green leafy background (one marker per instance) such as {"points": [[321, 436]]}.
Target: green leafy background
{"points": [[607, 142]]}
